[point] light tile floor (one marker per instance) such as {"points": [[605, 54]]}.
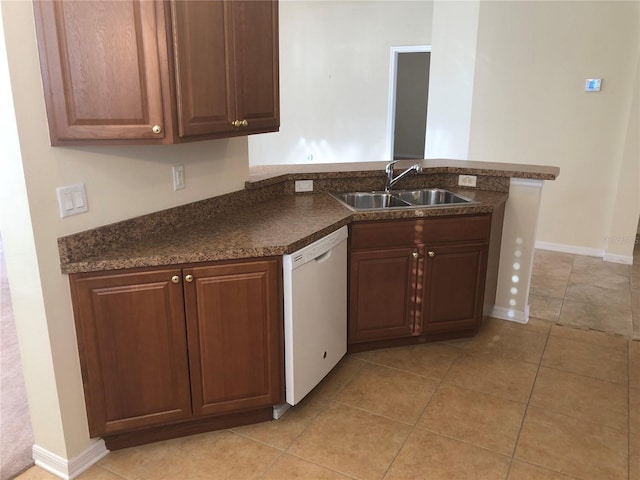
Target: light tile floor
{"points": [[517, 402], [587, 292]]}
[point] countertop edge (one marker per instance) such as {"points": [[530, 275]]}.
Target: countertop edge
{"points": [[348, 216], [268, 174]]}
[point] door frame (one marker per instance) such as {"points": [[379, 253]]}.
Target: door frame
{"points": [[393, 72]]}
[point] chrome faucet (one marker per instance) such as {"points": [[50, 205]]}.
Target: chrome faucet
{"points": [[391, 179]]}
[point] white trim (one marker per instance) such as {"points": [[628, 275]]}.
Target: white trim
{"points": [[393, 68], [589, 252], [526, 182], [559, 247], [410, 156], [69, 469], [615, 258], [279, 410], [510, 314]]}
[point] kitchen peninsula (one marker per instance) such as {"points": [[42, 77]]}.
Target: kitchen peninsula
{"points": [[216, 266]]}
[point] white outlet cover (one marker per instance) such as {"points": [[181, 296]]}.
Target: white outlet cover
{"points": [[304, 185], [467, 180]]}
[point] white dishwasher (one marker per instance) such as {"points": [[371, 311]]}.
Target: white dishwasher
{"points": [[315, 312]]}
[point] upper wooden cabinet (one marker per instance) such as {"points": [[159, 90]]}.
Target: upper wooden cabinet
{"points": [[136, 72]]}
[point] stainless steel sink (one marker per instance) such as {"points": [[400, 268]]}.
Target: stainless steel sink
{"points": [[370, 200], [430, 196], [400, 199]]}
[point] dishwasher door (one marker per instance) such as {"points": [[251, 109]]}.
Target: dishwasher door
{"points": [[315, 312]]}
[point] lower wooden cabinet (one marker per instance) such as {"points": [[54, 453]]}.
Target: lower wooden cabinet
{"points": [[452, 297], [382, 296], [413, 278], [163, 346]]}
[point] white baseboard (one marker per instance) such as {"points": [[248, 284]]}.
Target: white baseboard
{"points": [[72, 468], [590, 252], [510, 314], [559, 247], [614, 258]]}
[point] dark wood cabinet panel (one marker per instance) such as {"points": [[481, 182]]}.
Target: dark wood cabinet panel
{"points": [[394, 296], [133, 349], [235, 336], [255, 27], [101, 66], [162, 348], [205, 77], [453, 287], [136, 71], [382, 289]]}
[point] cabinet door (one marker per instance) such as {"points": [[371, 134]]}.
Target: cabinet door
{"points": [[382, 289], [255, 27], [226, 63], [100, 63], [205, 80], [133, 349], [234, 317], [453, 292]]}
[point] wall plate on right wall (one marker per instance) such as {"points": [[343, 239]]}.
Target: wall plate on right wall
{"points": [[592, 84]]}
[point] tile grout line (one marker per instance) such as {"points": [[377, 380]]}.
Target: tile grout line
{"points": [[526, 410], [629, 407], [415, 425]]}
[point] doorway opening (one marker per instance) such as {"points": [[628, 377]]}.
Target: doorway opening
{"points": [[408, 101]]}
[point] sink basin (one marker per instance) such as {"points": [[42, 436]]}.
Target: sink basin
{"points": [[430, 196], [425, 197], [370, 200]]}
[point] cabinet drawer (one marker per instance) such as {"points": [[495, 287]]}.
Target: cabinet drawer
{"points": [[404, 233], [456, 229], [391, 233]]}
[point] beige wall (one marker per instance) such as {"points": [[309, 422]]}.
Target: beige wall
{"points": [[451, 80], [529, 106], [334, 78], [626, 209], [121, 182]]}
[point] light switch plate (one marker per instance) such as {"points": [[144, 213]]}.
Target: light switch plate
{"points": [[178, 177], [72, 200]]}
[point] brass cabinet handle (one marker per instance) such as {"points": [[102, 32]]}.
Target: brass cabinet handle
{"points": [[236, 123], [416, 255], [189, 278], [432, 253], [175, 279], [156, 129], [245, 123]]}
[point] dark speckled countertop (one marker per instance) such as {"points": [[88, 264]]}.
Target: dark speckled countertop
{"points": [[267, 219]]}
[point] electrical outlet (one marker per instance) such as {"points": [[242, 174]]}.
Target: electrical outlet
{"points": [[178, 177], [304, 185], [467, 180]]}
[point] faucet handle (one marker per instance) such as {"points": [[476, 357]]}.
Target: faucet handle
{"points": [[389, 167]]}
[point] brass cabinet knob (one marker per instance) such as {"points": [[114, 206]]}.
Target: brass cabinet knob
{"points": [[189, 278], [415, 255], [245, 123], [175, 279], [156, 129], [236, 123], [432, 253]]}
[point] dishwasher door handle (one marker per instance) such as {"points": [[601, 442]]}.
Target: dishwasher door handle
{"points": [[324, 257]]}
